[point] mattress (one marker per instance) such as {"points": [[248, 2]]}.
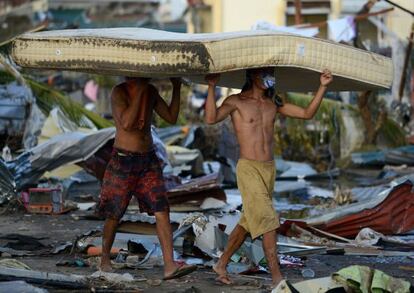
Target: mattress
{"points": [[152, 53]]}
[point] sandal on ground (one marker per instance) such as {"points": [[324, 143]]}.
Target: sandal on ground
{"points": [[180, 272]]}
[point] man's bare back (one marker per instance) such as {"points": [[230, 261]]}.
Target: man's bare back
{"points": [[128, 135], [140, 175], [132, 122]]}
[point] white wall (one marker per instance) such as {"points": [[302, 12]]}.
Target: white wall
{"points": [[399, 21], [242, 14]]}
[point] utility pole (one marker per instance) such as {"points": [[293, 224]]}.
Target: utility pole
{"points": [[371, 127], [406, 61]]}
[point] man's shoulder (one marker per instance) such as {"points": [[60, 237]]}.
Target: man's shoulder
{"points": [[118, 91], [245, 96], [119, 87], [235, 98]]}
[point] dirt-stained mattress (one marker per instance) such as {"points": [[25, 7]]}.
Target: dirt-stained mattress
{"points": [[153, 53]]}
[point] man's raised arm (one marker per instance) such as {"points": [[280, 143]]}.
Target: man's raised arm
{"points": [[212, 113], [169, 113], [294, 111]]}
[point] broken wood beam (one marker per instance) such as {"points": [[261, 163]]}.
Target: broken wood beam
{"points": [[357, 18], [330, 235], [400, 7]]}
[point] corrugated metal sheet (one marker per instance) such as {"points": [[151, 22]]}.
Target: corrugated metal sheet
{"points": [[397, 156], [368, 158], [393, 215], [366, 193], [197, 190], [62, 149]]}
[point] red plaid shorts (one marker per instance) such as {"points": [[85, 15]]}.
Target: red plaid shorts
{"points": [[132, 174]]}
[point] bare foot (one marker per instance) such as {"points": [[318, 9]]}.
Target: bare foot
{"points": [[170, 269], [276, 282], [223, 276], [105, 266]]}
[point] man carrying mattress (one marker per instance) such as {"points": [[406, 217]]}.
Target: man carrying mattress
{"points": [[253, 113], [134, 169]]}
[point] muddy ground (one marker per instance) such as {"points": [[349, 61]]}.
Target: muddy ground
{"points": [[58, 229]]}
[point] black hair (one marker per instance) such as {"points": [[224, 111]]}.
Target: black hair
{"points": [[270, 92]]}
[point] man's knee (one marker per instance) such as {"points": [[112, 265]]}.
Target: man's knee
{"points": [[111, 221], [270, 239], [160, 216], [241, 229], [270, 234]]}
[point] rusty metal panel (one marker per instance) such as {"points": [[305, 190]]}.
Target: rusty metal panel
{"points": [[394, 215]]}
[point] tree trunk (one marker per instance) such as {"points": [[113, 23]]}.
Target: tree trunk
{"points": [[372, 128]]}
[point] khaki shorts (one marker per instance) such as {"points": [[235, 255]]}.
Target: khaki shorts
{"points": [[256, 181]]}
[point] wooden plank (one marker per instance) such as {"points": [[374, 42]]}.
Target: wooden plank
{"points": [[357, 18], [330, 235]]}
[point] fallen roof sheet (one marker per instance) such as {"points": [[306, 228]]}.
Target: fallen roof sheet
{"points": [[362, 194], [396, 156], [62, 149], [368, 158], [293, 169], [155, 53], [171, 133], [20, 286], [197, 189], [7, 183], [44, 278], [391, 212], [145, 218]]}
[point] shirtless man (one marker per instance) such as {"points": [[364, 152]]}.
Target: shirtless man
{"points": [[253, 114], [135, 170]]}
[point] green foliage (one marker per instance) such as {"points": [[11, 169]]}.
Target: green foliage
{"points": [[106, 81], [328, 111], [161, 123], [182, 119], [298, 143], [48, 98], [5, 49], [6, 77], [394, 135]]}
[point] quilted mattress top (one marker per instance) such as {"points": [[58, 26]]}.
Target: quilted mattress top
{"points": [[152, 53]]}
